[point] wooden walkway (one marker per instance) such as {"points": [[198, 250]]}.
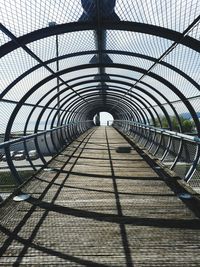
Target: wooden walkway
{"points": [[97, 207]]}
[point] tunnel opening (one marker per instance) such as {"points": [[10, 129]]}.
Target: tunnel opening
{"points": [[106, 119], [103, 119]]}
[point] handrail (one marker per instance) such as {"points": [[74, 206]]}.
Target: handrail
{"points": [[50, 147], [171, 146], [27, 137], [194, 139]]}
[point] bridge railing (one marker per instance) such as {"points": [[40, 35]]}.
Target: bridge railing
{"points": [[180, 152], [21, 156]]}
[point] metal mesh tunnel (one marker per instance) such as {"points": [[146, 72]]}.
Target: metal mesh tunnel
{"points": [[63, 62]]}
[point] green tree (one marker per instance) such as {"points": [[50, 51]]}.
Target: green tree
{"points": [[187, 125]]}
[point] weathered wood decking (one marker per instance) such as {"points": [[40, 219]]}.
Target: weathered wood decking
{"points": [[99, 208]]}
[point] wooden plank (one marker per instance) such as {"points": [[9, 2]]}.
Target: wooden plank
{"points": [[99, 208]]}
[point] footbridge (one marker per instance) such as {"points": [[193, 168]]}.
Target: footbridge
{"points": [[74, 192]]}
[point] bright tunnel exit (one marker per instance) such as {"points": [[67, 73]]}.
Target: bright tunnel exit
{"points": [[106, 118]]}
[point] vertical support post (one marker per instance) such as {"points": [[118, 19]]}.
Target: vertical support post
{"points": [[52, 24], [58, 81], [97, 119]]}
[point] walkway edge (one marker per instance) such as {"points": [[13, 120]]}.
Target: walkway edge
{"points": [[176, 184]]}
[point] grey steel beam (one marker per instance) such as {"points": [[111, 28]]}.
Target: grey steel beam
{"points": [[106, 25], [33, 55], [117, 52]]}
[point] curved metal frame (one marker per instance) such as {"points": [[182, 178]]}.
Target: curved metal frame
{"points": [[85, 102]]}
